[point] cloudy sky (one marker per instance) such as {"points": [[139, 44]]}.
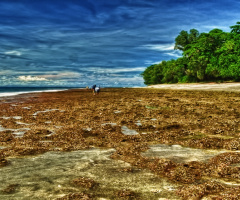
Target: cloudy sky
{"points": [[107, 42]]}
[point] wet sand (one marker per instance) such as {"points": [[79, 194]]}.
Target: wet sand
{"points": [[131, 123]]}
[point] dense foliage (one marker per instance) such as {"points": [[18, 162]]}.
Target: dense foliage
{"points": [[213, 56]]}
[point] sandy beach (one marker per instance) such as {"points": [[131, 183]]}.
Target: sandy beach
{"points": [[200, 86], [160, 142]]}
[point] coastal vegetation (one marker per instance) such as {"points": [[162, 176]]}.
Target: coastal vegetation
{"points": [[212, 56]]}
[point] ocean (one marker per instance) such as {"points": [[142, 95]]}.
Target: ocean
{"points": [[12, 91]]}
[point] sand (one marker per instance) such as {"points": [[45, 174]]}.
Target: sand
{"points": [[198, 86]]}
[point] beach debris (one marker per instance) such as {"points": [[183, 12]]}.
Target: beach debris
{"points": [[3, 161], [10, 189], [126, 194], [6, 136], [76, 196], [214, 189], [179, 119], [84, 182], [126, 169]]}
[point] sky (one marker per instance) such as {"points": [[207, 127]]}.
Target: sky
{"points": [[78, 43]]}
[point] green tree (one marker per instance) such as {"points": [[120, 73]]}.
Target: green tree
{"points": [[181, 40], [235, 28], [193, 36], [212, 56], [148, 74], [185, 38]]}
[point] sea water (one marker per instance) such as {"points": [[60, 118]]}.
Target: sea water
{"points": [[12, 91]]}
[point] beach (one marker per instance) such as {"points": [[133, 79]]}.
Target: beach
{"points": [[160, 142], [235, 87]]}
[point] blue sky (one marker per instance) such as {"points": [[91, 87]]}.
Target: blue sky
{"points": [[82, 42]]}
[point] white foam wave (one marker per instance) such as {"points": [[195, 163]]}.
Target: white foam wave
{"points": [[6, 94]]}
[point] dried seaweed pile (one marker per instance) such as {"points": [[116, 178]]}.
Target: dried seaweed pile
{"points": [[75, 119]]}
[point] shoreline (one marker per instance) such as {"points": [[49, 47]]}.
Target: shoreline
{"points": [[13, 91], [177, 86], [14, 97]]}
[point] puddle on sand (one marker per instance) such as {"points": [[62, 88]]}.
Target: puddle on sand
{"points": [[48, 176], [5, 117], [138, 123], [17, 117], [127, 131], [16, 132], [112, 124], [47, 110], [117, 111], [22, 123], [28, 108], [180, 154], [14, 117]]}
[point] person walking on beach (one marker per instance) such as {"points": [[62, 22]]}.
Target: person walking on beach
{"points": [[97, 90], [93, 89]]}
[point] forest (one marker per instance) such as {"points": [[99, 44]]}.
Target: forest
{"points": [[206, 57]]}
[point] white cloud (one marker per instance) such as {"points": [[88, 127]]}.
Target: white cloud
{"points": [[32, 78], [64, 74], [16, 53], [115, 70], [8, 72], [175, 54], [150, 62], [160, 47], [210, 27]]}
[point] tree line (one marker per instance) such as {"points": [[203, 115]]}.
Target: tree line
{"points": [[213, 56]]}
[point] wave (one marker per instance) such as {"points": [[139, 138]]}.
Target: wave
{"points": [[13, 91]]}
